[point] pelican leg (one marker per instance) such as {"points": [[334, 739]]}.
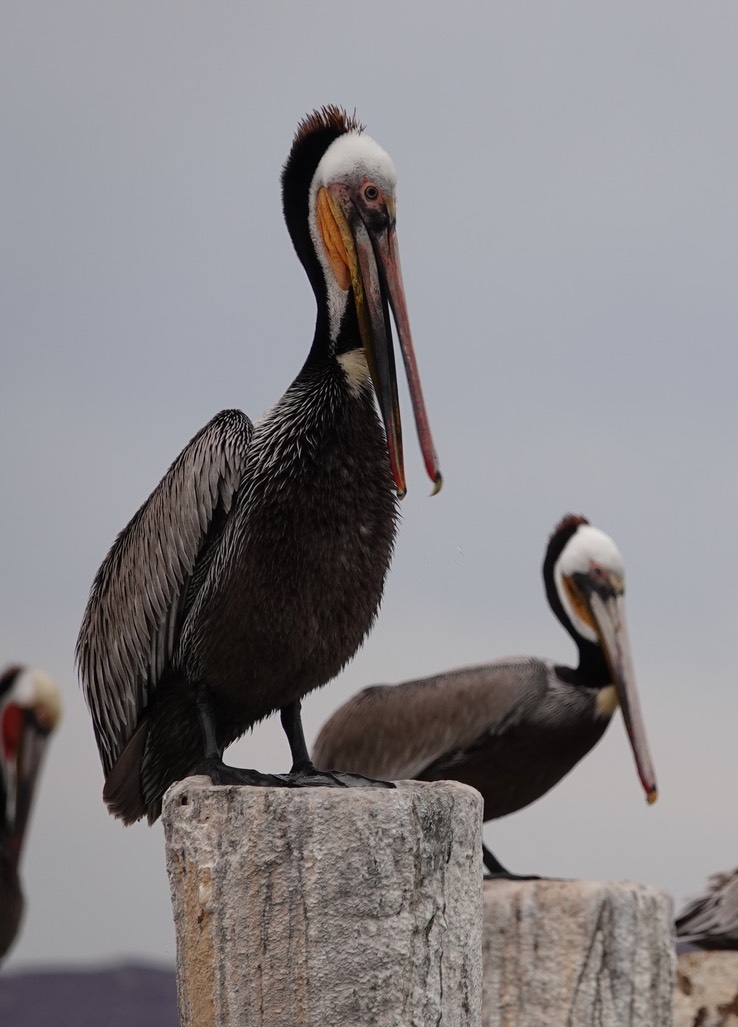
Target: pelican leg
{"points": [[291, 718], [207, 723], [499, 872], [304, 773], [212, 765]]}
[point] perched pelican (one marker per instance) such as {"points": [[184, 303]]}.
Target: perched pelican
{"points": [[512, 728], [255, 569], [710, 920], [30, 708]]}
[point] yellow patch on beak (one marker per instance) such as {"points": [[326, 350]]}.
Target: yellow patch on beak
{"points": [[579, 603], [333, 240], [341, 250]]}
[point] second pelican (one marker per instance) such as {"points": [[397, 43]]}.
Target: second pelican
{"points": [[30, 707], [511, 729]]}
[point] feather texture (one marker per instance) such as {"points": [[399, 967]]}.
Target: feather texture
{"points": [[711, 919], [254, 571], [512, 729], [397, 731], [140, 593]]}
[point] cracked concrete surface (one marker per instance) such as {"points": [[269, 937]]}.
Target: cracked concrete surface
{"points": [[577, 954], [359, 908]]}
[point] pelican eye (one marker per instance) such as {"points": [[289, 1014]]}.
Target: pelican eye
{"points": [[371, 192]]}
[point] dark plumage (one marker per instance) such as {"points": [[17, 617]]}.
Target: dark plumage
{"points": [[255, 569], [11, 900], [511, 729]]}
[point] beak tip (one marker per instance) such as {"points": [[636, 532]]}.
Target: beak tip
{"points": [[652, 795]]}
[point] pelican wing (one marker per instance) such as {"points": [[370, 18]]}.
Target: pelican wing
{"points": [[395, 732], [140, 593], [711, 919]]}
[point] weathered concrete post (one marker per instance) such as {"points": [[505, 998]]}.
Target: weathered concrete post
{"points": [[577, 953], [330, 908], [706, 993]]}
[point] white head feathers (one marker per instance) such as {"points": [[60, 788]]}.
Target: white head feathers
{"points": [[588, 546], [352, 158]]}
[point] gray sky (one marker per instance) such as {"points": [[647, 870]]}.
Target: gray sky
{"points": [[568, 222]]}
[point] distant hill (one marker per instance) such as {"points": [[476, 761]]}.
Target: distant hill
{"points": [[120, 996]]}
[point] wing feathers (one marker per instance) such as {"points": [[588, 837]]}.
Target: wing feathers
{"points": [[711, 919], [396, 731], [137, 601]]}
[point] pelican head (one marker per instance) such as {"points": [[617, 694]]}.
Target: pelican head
{"points": [[30, 709], [341, 184], [589, 582]]}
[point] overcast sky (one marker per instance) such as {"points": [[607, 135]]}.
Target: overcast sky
{"points": [[568, 222]]}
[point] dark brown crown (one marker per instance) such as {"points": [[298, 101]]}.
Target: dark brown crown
{"points": [[568, 521], [330, 118]]}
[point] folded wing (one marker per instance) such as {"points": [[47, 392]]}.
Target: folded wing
{"points": [[395, 732], [144, 587], [711, 919]]}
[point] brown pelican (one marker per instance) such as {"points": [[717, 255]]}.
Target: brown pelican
{"points": [[710, 920], [30, 708], [255, 569], [512, 728]]}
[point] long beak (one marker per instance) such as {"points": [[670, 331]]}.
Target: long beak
{"points": [[376, 278], [24, 745], [609, 616]]}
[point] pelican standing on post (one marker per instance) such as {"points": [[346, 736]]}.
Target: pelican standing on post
{"points": [[255, 569], [511, 729], [30, 708]]}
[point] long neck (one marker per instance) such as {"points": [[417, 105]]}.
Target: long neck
{"points": [[297, 177], [8, 856], [592, 669], [324, 348]]}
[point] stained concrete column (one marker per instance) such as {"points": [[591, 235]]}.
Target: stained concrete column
{"points": [[577, 953], [706, 993], [358, 908]]}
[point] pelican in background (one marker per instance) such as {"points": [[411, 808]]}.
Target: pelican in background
{"points": [[710, 920], [30, 708], [255, 569], [511, 729]]}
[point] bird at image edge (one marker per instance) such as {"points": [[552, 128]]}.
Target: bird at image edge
{"points": [[30, 708], [513, 728], [710, 920], [255, 569]]}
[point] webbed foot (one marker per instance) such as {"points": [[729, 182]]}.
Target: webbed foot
{"points": [[308, 776], [359, 781], [221, 774]]}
